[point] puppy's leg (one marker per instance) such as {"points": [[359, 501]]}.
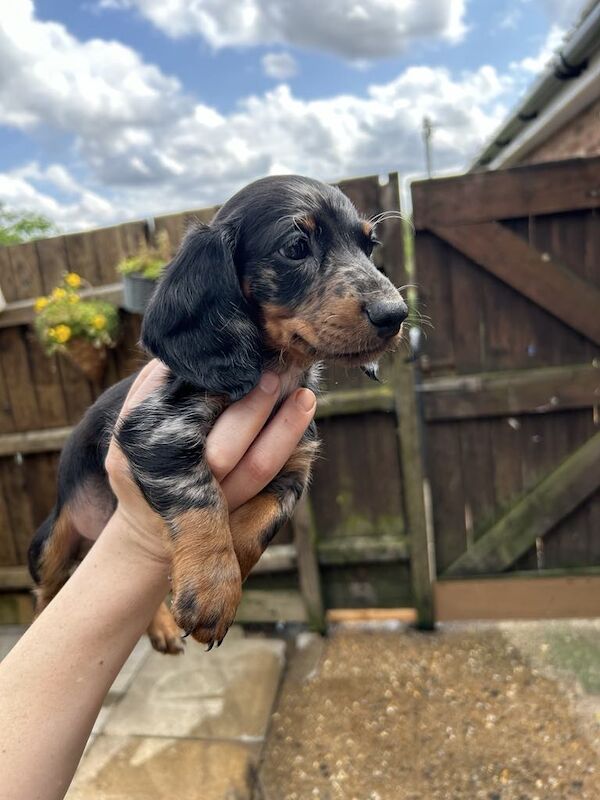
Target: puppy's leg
{"points": [[207, 585], [164, 634], [163, 439], [52, 555], [254, 524]]}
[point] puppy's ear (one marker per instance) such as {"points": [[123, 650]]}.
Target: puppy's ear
{"points": [[197, 321]]}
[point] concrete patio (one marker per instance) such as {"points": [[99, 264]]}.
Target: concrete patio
{"points": [[186, 727]]}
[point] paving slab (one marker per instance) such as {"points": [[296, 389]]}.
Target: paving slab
{"points": [[159, 768], [227, 693]]}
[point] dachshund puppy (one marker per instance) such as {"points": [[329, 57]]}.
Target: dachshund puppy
{"points": [[281, 280]]}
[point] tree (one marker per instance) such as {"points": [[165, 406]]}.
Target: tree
{"points": [[23, 226]]}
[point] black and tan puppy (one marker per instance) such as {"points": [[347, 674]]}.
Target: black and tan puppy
{"points": [[281, 280]]}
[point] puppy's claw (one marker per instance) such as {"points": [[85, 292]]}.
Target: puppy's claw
{"points": [[220, 642], [210, 646], [186, 634]]}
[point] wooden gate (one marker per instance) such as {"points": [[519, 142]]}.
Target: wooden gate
{"points": [[508, 269]]}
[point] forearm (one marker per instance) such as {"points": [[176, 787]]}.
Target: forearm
{"points": [[53, 682]]}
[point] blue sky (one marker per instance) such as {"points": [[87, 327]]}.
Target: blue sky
{"points": [[114, 109]]}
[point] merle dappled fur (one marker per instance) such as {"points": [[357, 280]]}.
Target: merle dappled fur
{"points": [[281, 279]]}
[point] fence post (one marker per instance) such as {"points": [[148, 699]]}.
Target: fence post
{"points": [[411, 458], [308, 564]]}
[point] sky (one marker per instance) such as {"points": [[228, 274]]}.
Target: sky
{"points": [[120, 109]]}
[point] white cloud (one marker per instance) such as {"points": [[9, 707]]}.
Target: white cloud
{"points": [[30, 188], [280, 66], [354, 29], [532, 65], [144, 147], [47, 75]]}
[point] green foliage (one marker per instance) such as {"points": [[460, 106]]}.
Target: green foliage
{"points": [[63, 316], [148, 262], [24, 226]]}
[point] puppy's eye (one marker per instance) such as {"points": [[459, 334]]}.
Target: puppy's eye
{"points": [[373, 243], [296, 250]]}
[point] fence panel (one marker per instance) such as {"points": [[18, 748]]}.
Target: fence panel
{"points": [[357, 509]]}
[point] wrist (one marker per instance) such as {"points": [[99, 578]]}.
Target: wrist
{"points": [[142, 543]]}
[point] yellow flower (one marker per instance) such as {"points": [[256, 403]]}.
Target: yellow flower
{"points": [[61, 333], [58, 293], [99, 322], [74, 298], [41, 303], [73, 280]]}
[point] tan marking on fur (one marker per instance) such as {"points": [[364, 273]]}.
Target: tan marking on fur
{"points": [[56, 560], [307, 223], [247, 524], [329, 324], [204, 563], [163, 632], [367, 228]]}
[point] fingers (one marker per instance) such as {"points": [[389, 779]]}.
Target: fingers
{"points": [[268, 454], [239, 425]]}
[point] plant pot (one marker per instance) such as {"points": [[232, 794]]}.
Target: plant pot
{"points": [[89, 359], [137, 292]]}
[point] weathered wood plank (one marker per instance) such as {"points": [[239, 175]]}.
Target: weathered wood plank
{"points": [[35, 441], [7, 278], [505, 194], [12, 578], [344, 616], [552, 286], [81, 257], [537, 512], [535, 391], [26, 276], [276, 558], [305, 540], [52, 256], [355, 401], [535, 597], [411, 455], [19, 380], [271, 606], [21, 312], [363, 549]]}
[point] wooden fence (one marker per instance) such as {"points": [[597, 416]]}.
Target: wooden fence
{"points": [[508, 266], [364, 500], [498, 419]]}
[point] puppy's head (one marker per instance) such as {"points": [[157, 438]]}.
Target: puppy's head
{"points": [[284, 268]]}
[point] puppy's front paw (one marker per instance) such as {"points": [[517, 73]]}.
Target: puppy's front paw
{"points": [[205, 604]]}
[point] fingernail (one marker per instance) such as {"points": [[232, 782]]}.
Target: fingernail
{"points": [[305, 399], [269, 383]]}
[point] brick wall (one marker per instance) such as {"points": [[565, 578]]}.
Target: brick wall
{"points": [[579, 137]]}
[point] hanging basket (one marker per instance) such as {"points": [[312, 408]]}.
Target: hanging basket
{"points": [[89, 359]]}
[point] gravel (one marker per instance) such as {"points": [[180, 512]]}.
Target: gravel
{"points": [[404, 715]]}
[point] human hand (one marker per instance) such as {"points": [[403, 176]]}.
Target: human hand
{"points": [[244, 452]]}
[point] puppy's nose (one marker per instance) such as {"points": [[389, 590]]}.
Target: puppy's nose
{"points": [[387, 316]]}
